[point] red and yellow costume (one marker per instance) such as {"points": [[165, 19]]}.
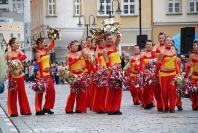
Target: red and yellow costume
{"points": [[194, 96], [114, 96], [157, 88], [134, 69], [147, 94], [20, 91], [168, 90], [75, 66], [44, 72], [101, 92], [91, 69]]}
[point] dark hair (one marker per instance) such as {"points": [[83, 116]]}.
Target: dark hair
{"points": [[149, 41], [11, 41], [167, 37], [99, 40], [105, 37], [162, 33], [195, 41], [39, 40], [79, 48], [88, 37], [82, 42], [93, 39]]}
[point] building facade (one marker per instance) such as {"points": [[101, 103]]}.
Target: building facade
{"points": [[11, 20], [128, 18], [167, 16], [58, 14], [64, 15], [172, 15]]}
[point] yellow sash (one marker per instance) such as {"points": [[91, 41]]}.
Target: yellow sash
{"points": [[114, 58]]}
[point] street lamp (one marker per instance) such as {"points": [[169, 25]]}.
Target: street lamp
{"points": [[110, 11], [85, 22], [140, 18]]}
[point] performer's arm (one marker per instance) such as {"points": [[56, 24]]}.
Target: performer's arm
{"points": [[21, 55], [37, 56], [117, 41], [178, 65], [106, 58], [51, 46], [188, 67]]}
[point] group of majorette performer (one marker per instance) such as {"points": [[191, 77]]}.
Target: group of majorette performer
{"points": [[105, 98]]}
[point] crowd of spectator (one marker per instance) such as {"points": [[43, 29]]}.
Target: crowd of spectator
{"points": [[31, 68]]}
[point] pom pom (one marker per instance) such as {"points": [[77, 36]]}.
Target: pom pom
{"points": [[40, 85], [53, 33]]}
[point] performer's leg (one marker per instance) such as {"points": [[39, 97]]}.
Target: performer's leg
{"points": [[193, 98], [158, 97], [82, 107], [23, 100], [117, 100], [104, 96], [38, 101], [179, 101], [109, 100], [70, 101], [134, 94], [147, 96], [164, 92], [172, 93], [139, 94], [12, 102], [92, 93], [97, 102], [88, 88], [50, 94]]}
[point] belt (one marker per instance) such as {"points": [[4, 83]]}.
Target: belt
{"points": [[167, 71], [195, 73]]}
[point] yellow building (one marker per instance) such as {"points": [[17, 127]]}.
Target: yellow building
{"points": [[174, 15], [128, 19]]}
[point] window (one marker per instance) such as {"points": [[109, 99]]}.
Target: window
{"points": [[174, 6], [11, 35], [51, 7], [128, 7], [193, 6], [76, 7], [18, 35], [105, 5]]}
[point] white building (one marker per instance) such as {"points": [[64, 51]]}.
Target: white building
{"points": [[11, 20], [59, 14]]}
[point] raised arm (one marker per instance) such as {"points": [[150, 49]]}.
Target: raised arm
{"points": [[51, 46], [106, 58], [118, 38]]}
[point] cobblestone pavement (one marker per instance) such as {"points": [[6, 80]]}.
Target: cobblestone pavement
{"points": [[134, 118]]}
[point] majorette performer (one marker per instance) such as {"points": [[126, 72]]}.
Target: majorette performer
{"points": [[16, 80], [133, 70], [101, 91], [112, 58], [179, 101], [157, 90], [74, 61], [194, 78], [146, 57], [168, 70], [86, 52], [43, 61], [93, 58]]}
